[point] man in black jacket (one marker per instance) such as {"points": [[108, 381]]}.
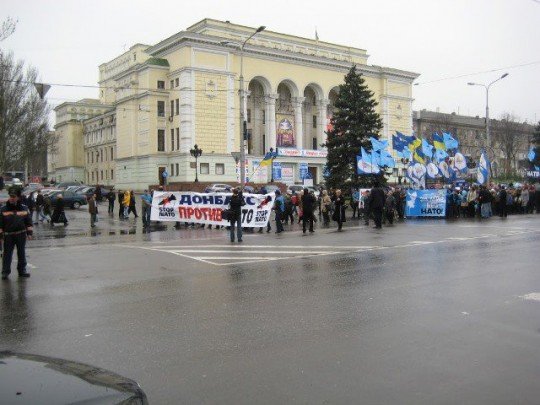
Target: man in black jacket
{"points": [[308, 200], [15, 227], [235, 205], [376, 203]]}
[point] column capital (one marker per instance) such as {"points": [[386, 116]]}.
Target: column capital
{"points": [[270, 98], [297, 101], [323, 102]]}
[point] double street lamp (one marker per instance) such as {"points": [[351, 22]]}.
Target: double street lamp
{"points": [[196, 152], [243, 104], [488, 135]]}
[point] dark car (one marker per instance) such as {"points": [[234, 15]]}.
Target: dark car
{"points": [[71, 199], [88, 191], [32, 379]]}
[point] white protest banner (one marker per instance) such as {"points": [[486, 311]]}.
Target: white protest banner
{"points": [[206, 208]]}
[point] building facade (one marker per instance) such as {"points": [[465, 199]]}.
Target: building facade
{"points": [[510, 141], [160, 101]]}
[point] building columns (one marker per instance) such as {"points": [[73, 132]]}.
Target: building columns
{"points": [[270, 126], [322, 106], [298, 121]]}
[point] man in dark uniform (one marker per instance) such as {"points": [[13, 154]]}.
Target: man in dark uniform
{"points": [[15, 227], [376, 203]]}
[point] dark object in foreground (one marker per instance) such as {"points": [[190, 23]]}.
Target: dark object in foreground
{"points": [[32, 379]]}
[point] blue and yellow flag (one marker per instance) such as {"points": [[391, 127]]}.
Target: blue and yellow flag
{"points": [[438, 142], [416, 150]]}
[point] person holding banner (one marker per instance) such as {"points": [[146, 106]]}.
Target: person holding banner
{"points": [[237, 201]]}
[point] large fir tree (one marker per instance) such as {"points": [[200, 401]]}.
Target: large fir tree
{"points": [[353, 122]]}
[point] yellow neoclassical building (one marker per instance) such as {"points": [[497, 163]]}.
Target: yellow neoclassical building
{"points": [[158, 102]]}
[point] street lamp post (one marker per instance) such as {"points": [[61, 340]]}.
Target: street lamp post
{"points": [[488, 135], [271, 165], [243, 106], [196, 152]]}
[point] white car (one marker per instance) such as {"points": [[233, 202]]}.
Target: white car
{"points": [[219, 188]]}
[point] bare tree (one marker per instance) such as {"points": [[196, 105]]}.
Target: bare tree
{"points": [[7, 28], [24, 126], [509, 138]]}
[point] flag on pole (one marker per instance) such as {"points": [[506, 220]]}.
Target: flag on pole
{"points": [[438, 142], [366, 167], [483, 169], [531, 155], [378, 145], [449, 141], [440, 155], [427, 149], [386, 159], [267, 160]]}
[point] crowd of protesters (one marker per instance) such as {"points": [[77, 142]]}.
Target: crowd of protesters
{"points": [[495, 199], [327, 207]]}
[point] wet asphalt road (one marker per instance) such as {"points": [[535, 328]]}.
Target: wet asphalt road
{"points": [[423, 312]]}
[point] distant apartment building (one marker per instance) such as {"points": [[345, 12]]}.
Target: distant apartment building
{"points": [[157, 102], [510, 141]]}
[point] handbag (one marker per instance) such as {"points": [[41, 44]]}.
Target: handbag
{"points": [[227, 214]]}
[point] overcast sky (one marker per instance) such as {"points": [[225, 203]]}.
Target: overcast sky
{"points": [[440, 39]]}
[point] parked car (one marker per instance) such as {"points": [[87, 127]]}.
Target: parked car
{"points": [[4, 195], [89, 190], [13, 182], [71, 199], [297, 188], [216, 188], [66, 184], [271, 188]]}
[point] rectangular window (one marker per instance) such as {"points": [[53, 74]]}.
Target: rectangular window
{"points": [[92, 159], [161, 140], [92, 176], [172, 84], [172, 169], [112, 174], [102, 158], [172, 139], [178, 138], [264, 117], [177, 82], [177, 168], [172, 108], [161, 108], [205, 168], [220, 168], [177, 103], [112, 154], [102, 175], [161, 84], [314, 143], [249, 115], [314, 121]]}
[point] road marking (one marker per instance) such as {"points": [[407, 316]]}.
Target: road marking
{"points": [[30, 266], [231, 254]]}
